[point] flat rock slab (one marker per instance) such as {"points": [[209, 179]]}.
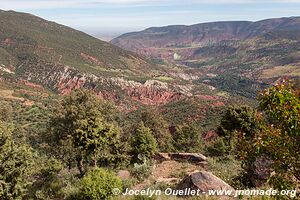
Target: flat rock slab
{"points": [[195, 158]]}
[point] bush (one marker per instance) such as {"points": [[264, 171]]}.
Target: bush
{"points": [[142, 171], [226, 168], [217, 148], [274, 132], [16, 162], [49, 183], [98, 184]]}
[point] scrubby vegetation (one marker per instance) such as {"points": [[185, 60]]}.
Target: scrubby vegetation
{"points": [[79, 142], [136, 115]]}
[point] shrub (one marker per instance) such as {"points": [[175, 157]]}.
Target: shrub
{"points": [[49, 184], [16, 161], [98, 184], [159, 128], [238, 120], [226, 168], [275, 134], [142, 171], [217, 148]]}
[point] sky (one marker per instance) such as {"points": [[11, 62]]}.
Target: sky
{"points": [[120, 16]]}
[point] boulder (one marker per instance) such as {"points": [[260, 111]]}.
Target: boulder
{"points": [[204, 181], [194, 158], [124, 174]]}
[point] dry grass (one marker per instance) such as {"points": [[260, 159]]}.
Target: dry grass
{"points": [[9, 94], [281, 71]]}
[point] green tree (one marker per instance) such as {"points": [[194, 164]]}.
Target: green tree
{"points": [[82, 128], [281, 139], [16, 161], [143, 144], [94, 136], [275, 133], [187, 139], [152, 119], [238, 120]]}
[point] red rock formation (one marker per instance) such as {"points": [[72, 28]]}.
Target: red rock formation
{"points": [[207, 97], [32, 85], [66, 85], [152, 96], [210, 135], [218, 104], [7, 41], [91, 59]]}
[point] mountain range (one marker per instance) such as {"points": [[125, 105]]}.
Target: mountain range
{"points": [[260, 51], [61, 59], [206, 33], [188, 72]]}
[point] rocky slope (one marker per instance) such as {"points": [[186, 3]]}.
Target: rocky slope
{"points": [[61, 59], [238, 57], [57, 59]]}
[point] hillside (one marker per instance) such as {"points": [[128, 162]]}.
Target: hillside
{"points": [[83, 119], [40, 59], [227, 55], [48, 55], [203, 34], [22, 33]]}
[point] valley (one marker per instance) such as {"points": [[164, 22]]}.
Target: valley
{"points": [[206, 106]]}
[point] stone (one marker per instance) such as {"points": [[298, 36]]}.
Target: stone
{"points": [[162, 157], [194, 158], [189, 157], [204, 181], [124, 174]]}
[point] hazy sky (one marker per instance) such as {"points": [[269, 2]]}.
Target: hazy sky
{"points": [[100, 16]]}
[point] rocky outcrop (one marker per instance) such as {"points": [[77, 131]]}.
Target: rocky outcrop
{"points": [[152, 92], [205, 182], [64, 79], [195, 158], [91, 59]]}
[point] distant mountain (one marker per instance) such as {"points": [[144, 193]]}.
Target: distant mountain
{"points": [[39, 57], [24, 36], [58, 58], [202, 34], [233, 52]]}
